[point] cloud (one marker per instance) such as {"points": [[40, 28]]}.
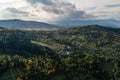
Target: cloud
{"points": [[108, 11], [59, 10], [17, 11], [45, 2], [78, 15], [63, 10], [113, 5]]}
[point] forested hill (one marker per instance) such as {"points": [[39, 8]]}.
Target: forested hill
{"points": [[83, 53], [15, 42], [96, 28], [84, 39]]}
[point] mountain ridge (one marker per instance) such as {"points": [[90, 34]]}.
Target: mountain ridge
{"points": [[103, 22], [27, 25]]}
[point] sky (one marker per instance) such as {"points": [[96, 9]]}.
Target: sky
{"points": [[59, 10]]}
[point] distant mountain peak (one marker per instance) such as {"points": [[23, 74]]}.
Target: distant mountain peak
{"points": [[27, 25]]}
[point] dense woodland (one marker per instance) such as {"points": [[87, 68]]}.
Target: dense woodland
{"points": [[81, 53]]}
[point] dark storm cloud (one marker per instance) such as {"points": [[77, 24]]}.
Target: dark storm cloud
{"points": [[14, 10]]}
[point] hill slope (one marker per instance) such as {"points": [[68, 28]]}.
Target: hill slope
{"points": [[15, 42], [21, 24], [82, 53], [83, 39]]}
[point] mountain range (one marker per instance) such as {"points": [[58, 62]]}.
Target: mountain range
{"points": [[34, 25], [27, 25], [102, 22]]}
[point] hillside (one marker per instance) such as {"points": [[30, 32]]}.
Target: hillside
{"points": [[14, 42], [27, 25], [83, 39], [83, 53], [94, 39]]}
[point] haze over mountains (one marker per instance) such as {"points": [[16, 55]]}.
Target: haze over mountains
{"points": [[29, 25], [33, 25], [103, 22]]}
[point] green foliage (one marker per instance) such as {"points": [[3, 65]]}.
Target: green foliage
{"points": [[15, 42], [82, 53], [92, 67]]}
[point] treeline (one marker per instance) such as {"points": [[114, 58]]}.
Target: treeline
{"points": [[72, 67]]}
